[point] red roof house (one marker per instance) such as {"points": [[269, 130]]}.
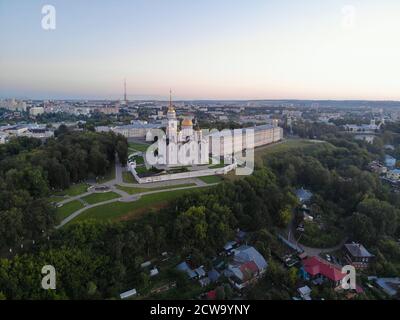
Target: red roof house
{"points": [[248, 269], [212, 295], [315, 267]]}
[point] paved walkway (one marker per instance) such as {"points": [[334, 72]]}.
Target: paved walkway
{"points": [[111, 184], [77, 213], [78, 197], [126, 197]]}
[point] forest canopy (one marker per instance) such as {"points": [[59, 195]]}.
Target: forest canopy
{"points": [[30, 171]]}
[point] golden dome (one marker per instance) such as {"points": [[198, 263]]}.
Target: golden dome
{"points": [[187, 123]]}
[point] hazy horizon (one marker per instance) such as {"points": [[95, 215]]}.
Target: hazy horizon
{"points": [[166, 99], [208, 50]]}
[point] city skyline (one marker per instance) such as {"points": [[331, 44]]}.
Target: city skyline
{"points": [[213, 50]]}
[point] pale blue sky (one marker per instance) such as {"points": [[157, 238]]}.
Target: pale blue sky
{"points": [[222, 49]]}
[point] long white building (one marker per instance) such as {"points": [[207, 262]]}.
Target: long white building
{"points": [[263, 135], [230, 143], [135, 130], [220, 143]]}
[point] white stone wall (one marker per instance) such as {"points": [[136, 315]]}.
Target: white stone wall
{"points": [[182, 175]]}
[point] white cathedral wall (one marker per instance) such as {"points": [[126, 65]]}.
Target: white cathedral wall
{"points": [[183, 175]]}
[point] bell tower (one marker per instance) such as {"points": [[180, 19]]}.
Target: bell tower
{"points": [[172, 125]]}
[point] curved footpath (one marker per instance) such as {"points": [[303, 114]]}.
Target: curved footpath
{"points": [[126, 197], [310, 251]]}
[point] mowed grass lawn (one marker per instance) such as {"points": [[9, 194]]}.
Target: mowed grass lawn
{"points": [[100, 197], [211, 179], [55, 199], [136, 146], [133, 190], [129, 210], [74, 190], [276, 148], [282, 147], [217, 166], [68, 208]]}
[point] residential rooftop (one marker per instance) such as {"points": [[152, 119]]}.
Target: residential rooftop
{"points": [[358, 250]]}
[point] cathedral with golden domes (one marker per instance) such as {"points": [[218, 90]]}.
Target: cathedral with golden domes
{"points": [[186, 136], [187, 133], [193, 150], [184, 145]]}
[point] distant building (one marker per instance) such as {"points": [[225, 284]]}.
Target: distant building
{"points": [[292, 113], [247, 266], [303, 195], [371, 127], [40, 133], [128, 294], [377, 167], [103, 129], [16, 130], [200, 272], [204, 281], [325, 117], [184, 267], [393, 175], [137, 129], [13, 105], [154, 272], [35, 111], [357, 255], [390, 162], [369, 138], [391, 286], [229, 246], [81, 111], [304, 292], [389, 147], [213, 275], [27, 130], [263, 135], [107, 109]]}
